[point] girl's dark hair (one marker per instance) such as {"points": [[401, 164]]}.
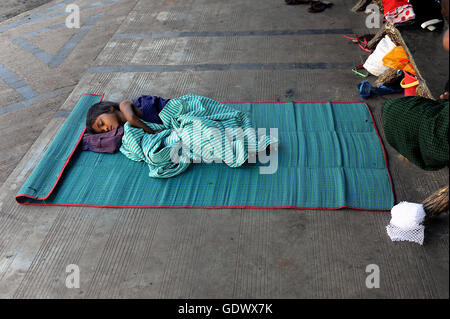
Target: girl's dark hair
{"points": [[96, 110]]}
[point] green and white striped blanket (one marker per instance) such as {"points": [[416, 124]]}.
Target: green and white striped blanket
{"points": [[195, 129]]}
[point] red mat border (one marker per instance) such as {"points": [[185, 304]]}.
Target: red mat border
{"points": [[214, 207]]}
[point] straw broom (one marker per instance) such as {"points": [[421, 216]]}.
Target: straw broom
{"points": [[389, 76], [436, 203], [361, 5]]}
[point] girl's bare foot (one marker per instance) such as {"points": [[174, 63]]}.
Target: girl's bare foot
{"points": [[272, 147], [252, 155], [444, 96]]}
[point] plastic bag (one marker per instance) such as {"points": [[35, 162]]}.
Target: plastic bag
{"points": [[374, 63], [398, 60]]}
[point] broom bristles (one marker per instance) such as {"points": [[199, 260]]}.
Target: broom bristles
{"points": [[361, 5], [377, 37], [389, 76], [436, 203]]}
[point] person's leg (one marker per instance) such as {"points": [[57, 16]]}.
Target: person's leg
{"points": [[418, 129]]}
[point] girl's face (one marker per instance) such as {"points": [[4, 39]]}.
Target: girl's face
{"points": [[106, 122]]}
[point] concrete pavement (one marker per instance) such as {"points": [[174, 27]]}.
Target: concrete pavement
{"points": [[230, 51], [11, 8], [41, 61]]}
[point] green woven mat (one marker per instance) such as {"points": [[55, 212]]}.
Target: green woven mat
{"points": [[330, 156]]}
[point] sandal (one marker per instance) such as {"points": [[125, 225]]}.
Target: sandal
{"points": [[360, 67], [362, 43], [291, 2], [319, 6]]}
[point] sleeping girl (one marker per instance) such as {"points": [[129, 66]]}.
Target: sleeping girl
{"points": [[203, 129], [107, 116]]}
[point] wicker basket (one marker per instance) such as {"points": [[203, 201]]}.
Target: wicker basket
{"points": [[380, 5], [396, 37], [390, 76], [361, 5]]}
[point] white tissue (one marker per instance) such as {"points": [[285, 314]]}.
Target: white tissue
{"points": [[406, 223], [407, 215]]}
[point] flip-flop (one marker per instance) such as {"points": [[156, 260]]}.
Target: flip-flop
{"points": [[362, 43], [292, 2], [360, 67], [319, 6]]}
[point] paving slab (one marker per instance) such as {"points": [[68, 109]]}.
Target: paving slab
{"points": [[11, 8], [41, 61], [228, 51]]}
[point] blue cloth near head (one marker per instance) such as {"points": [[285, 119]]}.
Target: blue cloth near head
{"points": [[150, 107]]}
